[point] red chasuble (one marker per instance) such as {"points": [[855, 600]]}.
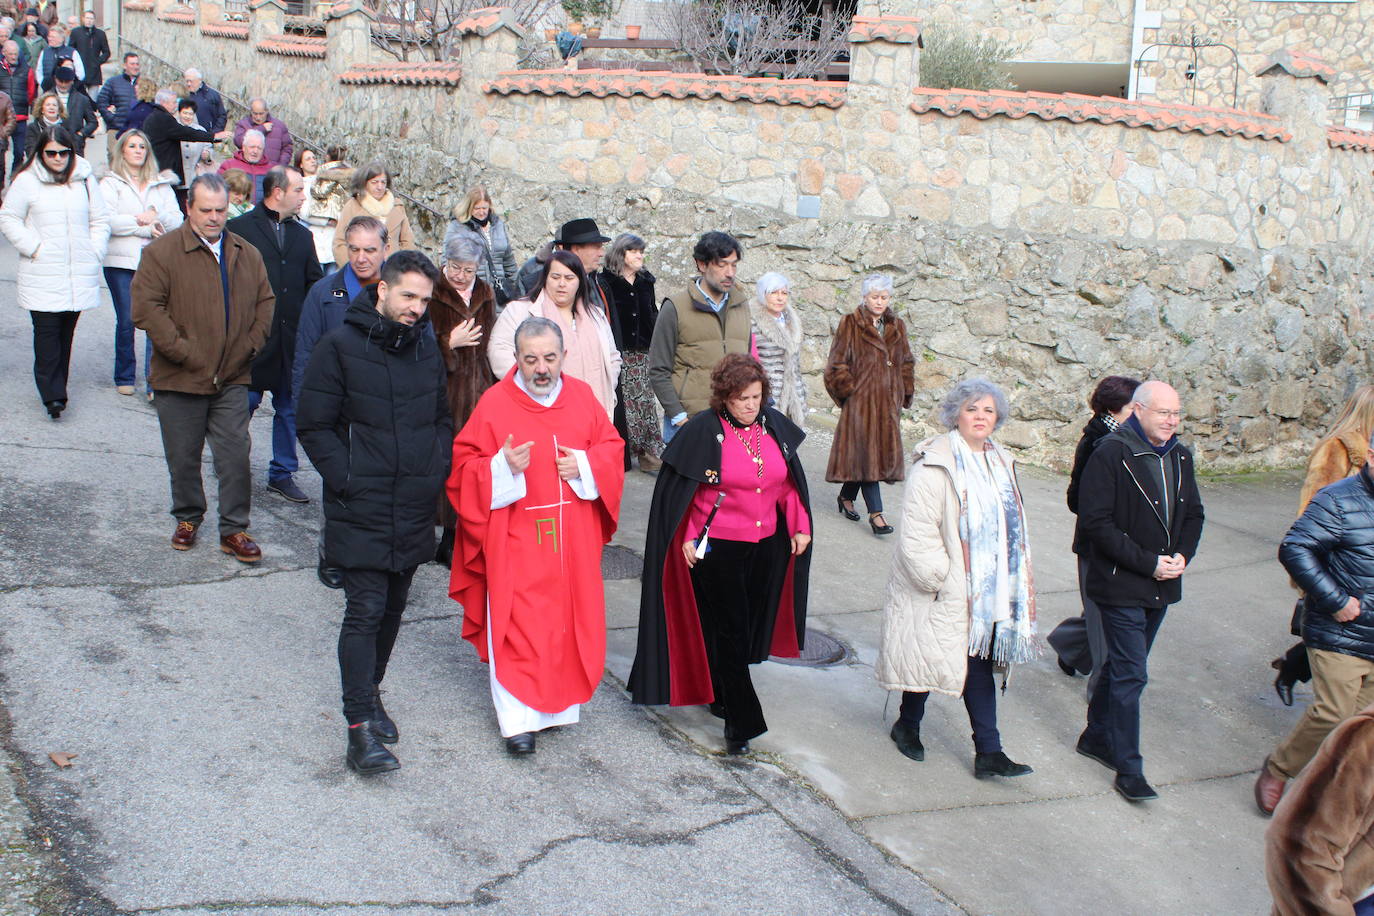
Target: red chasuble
{"points": [[537, 562]]}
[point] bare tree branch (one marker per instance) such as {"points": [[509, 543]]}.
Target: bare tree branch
{"points": [[427, 29], [749, 37]]}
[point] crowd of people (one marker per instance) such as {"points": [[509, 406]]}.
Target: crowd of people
{"points": [[483, 415]]}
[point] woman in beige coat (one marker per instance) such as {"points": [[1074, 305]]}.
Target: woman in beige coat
{"points": [[960, 600], [372, 197]]}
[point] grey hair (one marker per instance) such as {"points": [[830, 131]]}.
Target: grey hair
{"points": [[874, 282], [256, 99], [163, 97], [212, 182], [535, 326], [615, 255], [1144, 392], [968, 391], [463, 248], [192, 72], [249, 134], [771, 282]]}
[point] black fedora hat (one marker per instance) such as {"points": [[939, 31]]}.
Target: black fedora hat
{"points": [[579, 232]]}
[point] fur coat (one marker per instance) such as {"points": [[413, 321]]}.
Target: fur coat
{"points": [[1319, 849], [1332, 460], [779, 352], [871, 377]]}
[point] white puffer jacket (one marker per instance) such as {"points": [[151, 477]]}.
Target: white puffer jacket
{"points": [[924, 643], [61, 231], [127, 237]]}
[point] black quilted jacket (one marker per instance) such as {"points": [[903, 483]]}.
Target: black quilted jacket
{"points": [[1329, 552]]}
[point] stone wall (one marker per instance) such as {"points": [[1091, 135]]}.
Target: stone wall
{"points": [[1043, 241], [1051, 30]]}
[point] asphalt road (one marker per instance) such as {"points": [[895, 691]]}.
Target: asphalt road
{"points": [[201, 699]]}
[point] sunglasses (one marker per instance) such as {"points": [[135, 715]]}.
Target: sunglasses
{"points": [[57, 153]]}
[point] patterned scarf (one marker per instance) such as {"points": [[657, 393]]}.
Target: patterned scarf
{"points": [[992, 527]]}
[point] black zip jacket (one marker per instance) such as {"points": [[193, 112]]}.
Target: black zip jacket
{"points": [[1122, 513]]}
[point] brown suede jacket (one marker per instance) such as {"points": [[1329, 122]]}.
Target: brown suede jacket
{"points": [[178, 299], [1319, 849]]}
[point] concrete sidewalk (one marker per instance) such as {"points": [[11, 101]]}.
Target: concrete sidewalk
{"points": [[201, 699]]}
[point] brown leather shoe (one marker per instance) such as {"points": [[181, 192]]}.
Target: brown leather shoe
{"points": [[1268, 790], [241, 547], [184, 538], [649, 464]]}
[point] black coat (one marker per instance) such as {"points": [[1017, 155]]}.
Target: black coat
{"points": [[373, 417], [165, 134], [1121, 520], [691, 459], [291, 271], [635, 308], [1093, 433], [15, 84], [94, 49], [1329, 552]]}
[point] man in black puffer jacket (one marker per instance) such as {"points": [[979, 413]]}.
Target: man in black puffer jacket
{"points": [[373, 417], [1329, 552]]}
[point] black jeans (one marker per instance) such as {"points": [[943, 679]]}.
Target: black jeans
{"points": [[733, 585], [374, 601], [187, 422], [52, 352], [980, 699], [873, 496], [1114, 710]]}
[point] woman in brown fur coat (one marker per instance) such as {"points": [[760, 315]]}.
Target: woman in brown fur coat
{"points": [[871, 375], [1336, 457], [463, 312]]}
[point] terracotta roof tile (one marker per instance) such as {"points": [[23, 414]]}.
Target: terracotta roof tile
{"points": [[344, 7], [626, 83], [487, 20], [225, 30], [1299, 63], [293, 46], [179, 14], [1105, 109], [431, 73], [139, 6], [1361, 141], [902, 30]]}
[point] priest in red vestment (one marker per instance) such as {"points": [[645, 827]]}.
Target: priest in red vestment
{"points": [[536, 481]]}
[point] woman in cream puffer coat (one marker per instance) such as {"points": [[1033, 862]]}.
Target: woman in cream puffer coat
{"points": [[56, 217]]}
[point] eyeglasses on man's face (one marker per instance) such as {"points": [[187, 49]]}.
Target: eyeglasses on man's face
{"points": [[1166, 414]]}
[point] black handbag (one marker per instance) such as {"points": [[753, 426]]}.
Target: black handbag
{"points": [[498, 289]]}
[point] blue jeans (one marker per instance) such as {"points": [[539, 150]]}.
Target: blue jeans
{"points": [[669, 430], [284, 462], [118, 280], [1114, 710], [873, 494], [980, 699], [21, 130]]}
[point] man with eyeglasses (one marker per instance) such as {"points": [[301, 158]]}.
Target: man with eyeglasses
{"points": [[1140, 515]]}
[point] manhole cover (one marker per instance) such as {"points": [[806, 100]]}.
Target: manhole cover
{"points": [[821, 651], [620, 563]]}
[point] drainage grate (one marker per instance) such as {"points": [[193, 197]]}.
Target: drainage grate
{"points": [[620, 563], [821, 651]]}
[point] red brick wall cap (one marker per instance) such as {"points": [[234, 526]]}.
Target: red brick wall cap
{"points": [[1300, 64], [294, 46], [1360, 141], [627, 83], [430, 73], [902, 30]]}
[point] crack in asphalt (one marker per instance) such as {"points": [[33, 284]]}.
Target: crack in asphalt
{"points": [[137, 587], [104, 452]]}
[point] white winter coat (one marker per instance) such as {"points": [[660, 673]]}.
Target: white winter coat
{"points": [[501, 346], [127, 237], [924, 644], [61, 231]]}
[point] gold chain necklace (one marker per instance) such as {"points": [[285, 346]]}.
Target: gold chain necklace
{"points": [[755, 451]]}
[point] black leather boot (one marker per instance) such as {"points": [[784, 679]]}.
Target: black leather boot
{"points": [[367, 755], [382, 726], [998, 764], [908, 740]]}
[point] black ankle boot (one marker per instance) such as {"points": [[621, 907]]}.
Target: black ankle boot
{"points": [[382, 726], [367, 755], [908, 740], [444, 554], [998, 764]]}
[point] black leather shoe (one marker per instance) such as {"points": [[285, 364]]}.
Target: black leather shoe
{"points": [[331, 576], [1134, 788], [1094, 751], [443, 555], [382, 726], [55, 408], [998, 764], [847, 513], [367, 755], [1283, 685], [736, 748], [908, 740], [521, 744], [1065, 667], [286, 488], [884, 528]]}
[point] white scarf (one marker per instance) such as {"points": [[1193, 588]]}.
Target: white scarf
{"points": [[992, 527]]}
